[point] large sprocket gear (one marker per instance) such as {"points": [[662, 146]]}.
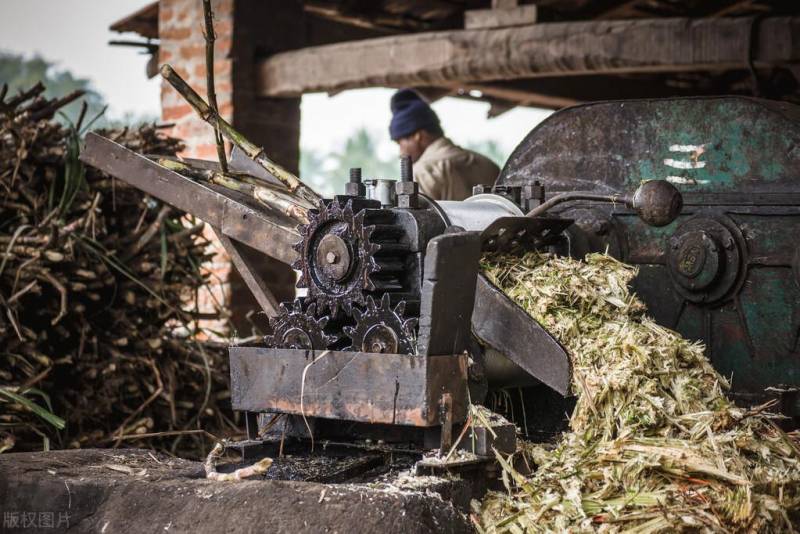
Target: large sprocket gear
{"points": [[383, 329], [338, 256], [299, 328]]}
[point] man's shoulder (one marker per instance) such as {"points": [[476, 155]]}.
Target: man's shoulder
{"points": [[444, 150], [431, 167]]}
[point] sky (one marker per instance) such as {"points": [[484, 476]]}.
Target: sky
{"points": [[74, 34]]}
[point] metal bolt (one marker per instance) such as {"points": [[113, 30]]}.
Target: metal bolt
{"points": [[354, 187], [406, 169]]}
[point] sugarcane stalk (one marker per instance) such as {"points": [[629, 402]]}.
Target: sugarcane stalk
{"points": [[269, 196], [211, 36], [292, 182]]}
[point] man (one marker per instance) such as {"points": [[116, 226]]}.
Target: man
{"points": [[443, 170]]}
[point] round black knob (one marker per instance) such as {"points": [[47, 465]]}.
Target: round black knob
{"points": [[657, 202]]}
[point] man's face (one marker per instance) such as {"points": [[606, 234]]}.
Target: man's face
{"points": [[412, 146]]}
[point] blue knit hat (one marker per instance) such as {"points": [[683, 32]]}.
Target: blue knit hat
{"points": [[411, 113]]}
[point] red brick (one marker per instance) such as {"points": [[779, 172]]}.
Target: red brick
{"points": [[174, 33], [191, 51], [206, 151], [225, 107], [223, 88], [176, 112], [223, 27]]}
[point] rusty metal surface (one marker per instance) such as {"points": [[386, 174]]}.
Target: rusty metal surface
{"points": [[508, 234], [354, 386], [507, 328], [485, 441], [451, 266], [722, 272], [237, 218]]}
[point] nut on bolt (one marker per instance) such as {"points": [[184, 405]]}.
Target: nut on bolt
{"points": [[355, 187], [407, 189]]}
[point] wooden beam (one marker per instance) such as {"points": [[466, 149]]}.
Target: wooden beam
{"points": [[390, 16], [555, 93], [552, 49], [143, 21], [520, 96], [500, 18]]}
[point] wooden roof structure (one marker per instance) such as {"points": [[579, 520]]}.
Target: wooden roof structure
{"points": [[547, 53]]}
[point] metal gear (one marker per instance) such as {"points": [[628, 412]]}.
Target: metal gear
{"points": [[382, 329], [299, 328], [338, 250]]}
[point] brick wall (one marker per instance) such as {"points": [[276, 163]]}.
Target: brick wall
{"points": [[244, 28], [183, 46]]}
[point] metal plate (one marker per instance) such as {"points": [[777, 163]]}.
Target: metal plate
{"points": [[269, 233], [355, 386], [504, 326], [508, 234]]}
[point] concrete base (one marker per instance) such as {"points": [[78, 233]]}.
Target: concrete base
{"points": [[121, 491]]}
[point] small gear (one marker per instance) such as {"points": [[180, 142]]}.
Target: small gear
{"points": [[343, 256], [299, 328], [382, 329]]}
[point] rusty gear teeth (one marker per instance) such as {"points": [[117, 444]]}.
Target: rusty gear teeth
{"points": [[299, 328], [382, 329], [375, 256]]}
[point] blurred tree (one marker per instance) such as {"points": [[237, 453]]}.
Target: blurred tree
{"points": [[490, 149], [312, 171], [21, 72], [328, 173], [361, 150]]}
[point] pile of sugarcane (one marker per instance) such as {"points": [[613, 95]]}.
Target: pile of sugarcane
{"points": [[99, 343], [654, 445]]}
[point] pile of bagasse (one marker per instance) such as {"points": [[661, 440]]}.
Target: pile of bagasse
{"points": [[99, 341], [653, 445]]}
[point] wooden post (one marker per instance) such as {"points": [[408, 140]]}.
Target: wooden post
{"points": [[446, 420]]}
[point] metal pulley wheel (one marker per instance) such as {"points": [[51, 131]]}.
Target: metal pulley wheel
{"points": [[704, 258]]}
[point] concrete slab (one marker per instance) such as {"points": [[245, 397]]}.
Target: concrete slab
{"points": [[127, 491]]}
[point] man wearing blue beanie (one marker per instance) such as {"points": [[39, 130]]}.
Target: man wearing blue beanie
{"points": [[443, 170]]}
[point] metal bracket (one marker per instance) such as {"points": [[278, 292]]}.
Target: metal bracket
{"points": [[501, 324], [255, 283], [235, 214]]}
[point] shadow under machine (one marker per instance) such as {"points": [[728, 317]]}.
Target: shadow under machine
{"points": [[396, 331]]}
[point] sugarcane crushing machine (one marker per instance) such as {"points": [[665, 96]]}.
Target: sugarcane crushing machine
{"points": [[395, 330]]}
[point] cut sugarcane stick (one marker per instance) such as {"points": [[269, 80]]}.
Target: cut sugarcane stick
{"points": [[292, 182]]}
